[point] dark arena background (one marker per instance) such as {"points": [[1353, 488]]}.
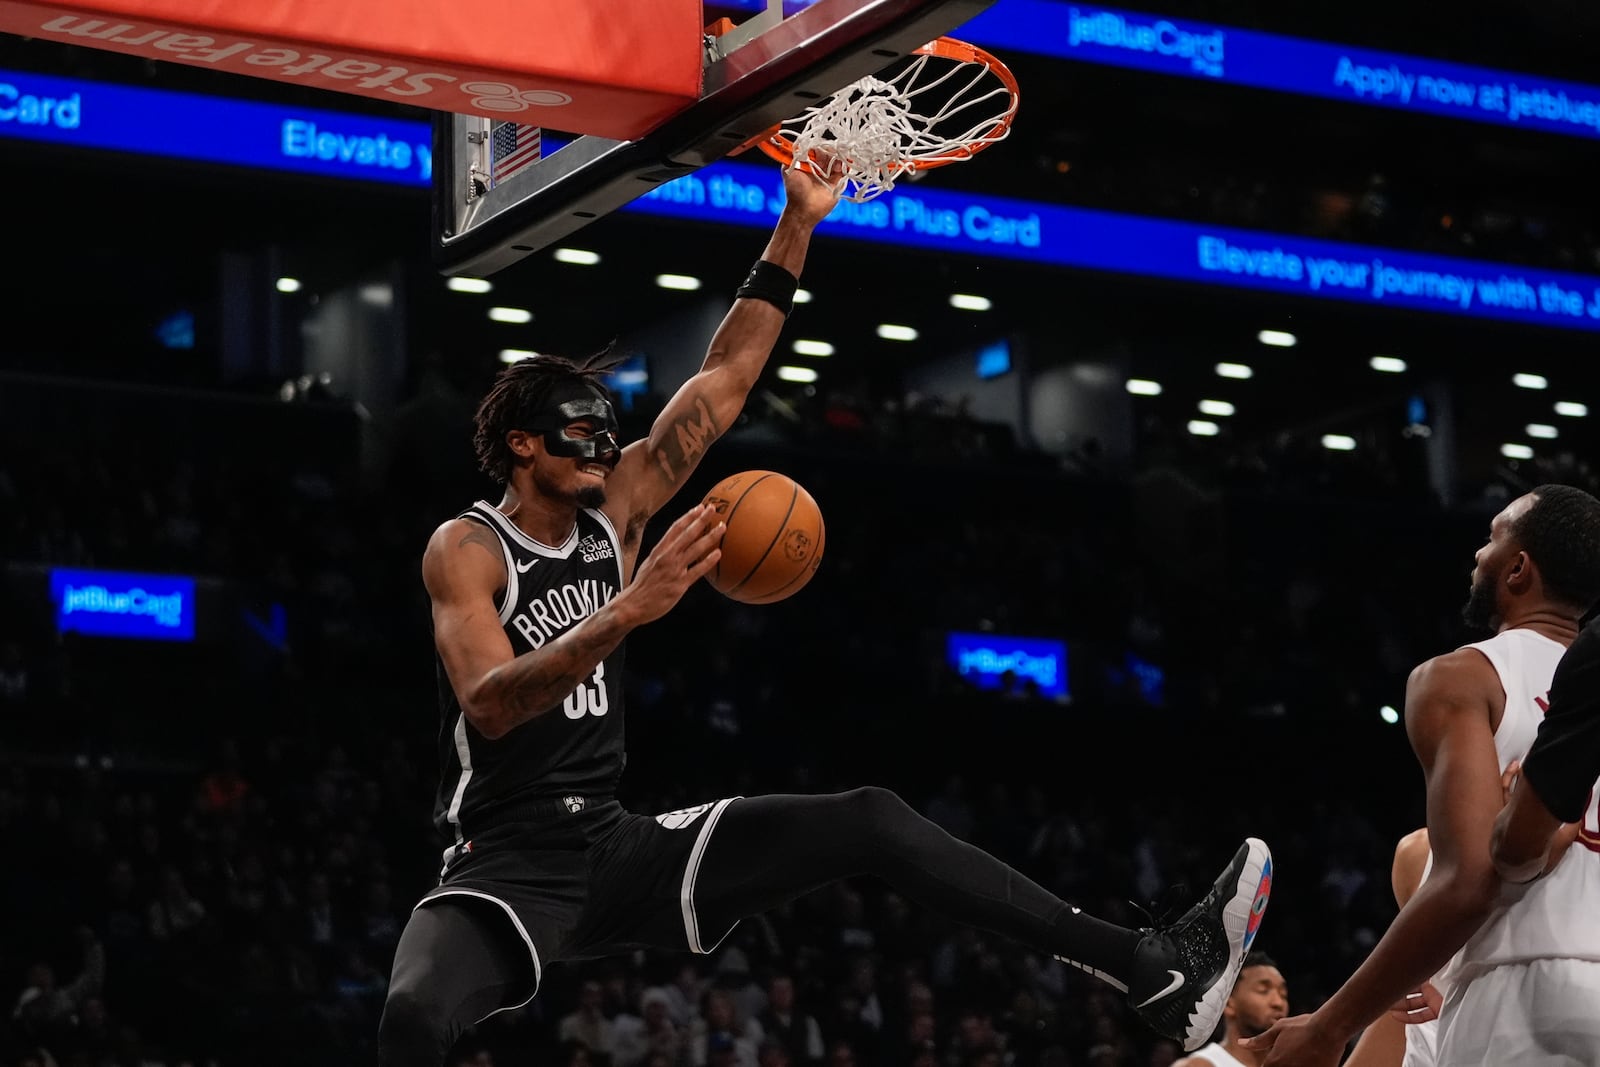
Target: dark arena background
{"points": [[1153, 445]]}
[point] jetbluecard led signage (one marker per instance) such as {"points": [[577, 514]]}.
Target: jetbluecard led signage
{"points": [[941, 220], [1284, 64], [985, 659], [214, 129], [119, 604], [1289, 64]]}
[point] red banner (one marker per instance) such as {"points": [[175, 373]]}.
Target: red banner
{"points": [[616, 68]]}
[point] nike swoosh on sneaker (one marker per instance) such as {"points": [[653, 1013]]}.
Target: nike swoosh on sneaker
{"points": [[1177, 980]]}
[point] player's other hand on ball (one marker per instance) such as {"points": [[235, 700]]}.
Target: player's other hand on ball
{"points": [[685, 554], [813, 187]]}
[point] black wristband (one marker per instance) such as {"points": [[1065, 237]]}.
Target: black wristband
{"points": [[770, 282]]}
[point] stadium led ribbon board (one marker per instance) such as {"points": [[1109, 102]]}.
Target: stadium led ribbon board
{"points": [[158, 122], [1057, 235], [1278, 63], [331, 144]]}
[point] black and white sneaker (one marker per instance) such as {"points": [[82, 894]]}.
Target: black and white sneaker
{"points": [[1186, 969]]}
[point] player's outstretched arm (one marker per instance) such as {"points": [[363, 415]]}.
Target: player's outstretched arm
{"points": [[1448, 704], [652, 470], [498, 690]]}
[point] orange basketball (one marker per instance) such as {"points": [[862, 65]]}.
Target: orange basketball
{"points": [[774, 539]]}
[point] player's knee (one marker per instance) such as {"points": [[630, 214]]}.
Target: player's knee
{"points": [[412, 1025], [875, 807]]}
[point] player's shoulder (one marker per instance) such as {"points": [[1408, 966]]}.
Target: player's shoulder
{"points": [[453, 533], [1583, 655], [1462, 666], [463, 548], [1414, 844], [1589, 635]]}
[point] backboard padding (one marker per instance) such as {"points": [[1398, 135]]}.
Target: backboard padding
{"points": [[775, 75]]}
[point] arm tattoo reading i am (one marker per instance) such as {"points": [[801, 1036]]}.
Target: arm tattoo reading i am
{"points": [[686, 441]]}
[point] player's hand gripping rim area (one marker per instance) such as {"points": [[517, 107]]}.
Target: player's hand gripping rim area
{"points": [[812, 186]]}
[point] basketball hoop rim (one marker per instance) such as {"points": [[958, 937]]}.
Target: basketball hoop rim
{"points": [[780, 146]]}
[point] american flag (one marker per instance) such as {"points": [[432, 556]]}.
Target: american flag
{"points": [[516, 148]]}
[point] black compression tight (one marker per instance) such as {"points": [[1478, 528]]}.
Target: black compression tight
{"points": [[768, 850], [458, 960]]}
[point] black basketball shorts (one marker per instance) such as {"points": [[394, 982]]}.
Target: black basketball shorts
{"points": [[592, 882]]}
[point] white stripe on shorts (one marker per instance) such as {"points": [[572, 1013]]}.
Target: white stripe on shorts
{"points": [[691, 870]]}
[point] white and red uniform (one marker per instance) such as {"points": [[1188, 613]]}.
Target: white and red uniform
{"points": [[1525, 990]]}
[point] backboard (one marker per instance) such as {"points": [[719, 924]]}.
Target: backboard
{"points": [[500, 192]]}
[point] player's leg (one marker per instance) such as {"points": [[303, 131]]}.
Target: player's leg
{"points": [[766, 850], [457, 962], [763, 851]]}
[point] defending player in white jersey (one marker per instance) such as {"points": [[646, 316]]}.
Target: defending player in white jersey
{"points": [[1527, 978]]}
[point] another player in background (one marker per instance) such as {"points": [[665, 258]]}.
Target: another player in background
{"points": [[1528, 976], [532, 599], [1389, 1041], [1260, 998]]}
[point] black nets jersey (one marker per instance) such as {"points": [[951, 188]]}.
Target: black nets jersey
{"points": [[575, 748]]}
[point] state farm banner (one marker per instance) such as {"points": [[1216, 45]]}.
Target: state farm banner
{"points": [[617, 68]]}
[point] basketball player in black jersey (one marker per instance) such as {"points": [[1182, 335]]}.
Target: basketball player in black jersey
{"points": [[532, 598]]}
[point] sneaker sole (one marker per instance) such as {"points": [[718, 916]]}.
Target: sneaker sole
{"points": [[1241, 919]]}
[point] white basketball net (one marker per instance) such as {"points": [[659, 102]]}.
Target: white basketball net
{"points": [[875, 134]]}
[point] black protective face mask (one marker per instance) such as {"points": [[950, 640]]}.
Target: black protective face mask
{"points": [[579, 404]]}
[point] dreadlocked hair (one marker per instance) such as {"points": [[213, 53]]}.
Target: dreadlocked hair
{"points": [[520, 393], [1561, 534]]}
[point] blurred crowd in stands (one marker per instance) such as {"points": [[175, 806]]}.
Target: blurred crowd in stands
{"points": [[212, 847]]}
